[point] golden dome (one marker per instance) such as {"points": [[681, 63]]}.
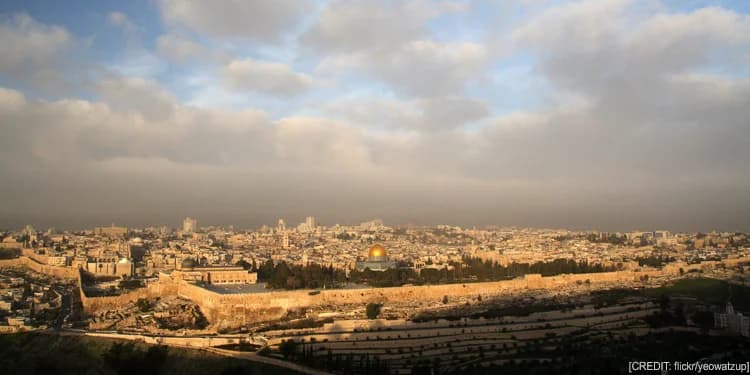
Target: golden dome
{"points": [[377, 251]]}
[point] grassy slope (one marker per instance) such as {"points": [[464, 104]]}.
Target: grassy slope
{"points": [[711, 291], [32, 353]]}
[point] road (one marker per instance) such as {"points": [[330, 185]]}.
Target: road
{"points": [[248, 356]]}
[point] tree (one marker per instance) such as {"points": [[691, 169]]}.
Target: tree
{"points": [[288, 348], [143, 304], [153, 359], [704, 320], [373, 310], [664, 302], [125, 358]]}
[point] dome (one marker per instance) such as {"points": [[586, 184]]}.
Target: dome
{"points": [[124, 260], [377, 252]]}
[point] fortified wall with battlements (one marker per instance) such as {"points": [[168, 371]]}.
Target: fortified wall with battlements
{"points": [[237, 309]]}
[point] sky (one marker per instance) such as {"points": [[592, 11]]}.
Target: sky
{"points": [[609, 115]]}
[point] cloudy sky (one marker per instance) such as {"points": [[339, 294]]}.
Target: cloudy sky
{"points": [[605, 114]]}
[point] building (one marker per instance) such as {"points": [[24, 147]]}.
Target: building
{"points": [[59, 261], [10, 243], [111, 231], [123, 267], [285, 241], [189, 225], [377, 260], [310, 221], [307, 226], [214, 275], [732, 321]]}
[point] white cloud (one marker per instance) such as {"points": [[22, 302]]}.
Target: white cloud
{"points": [[390, 41], [433, 114], [27, 43], [351, 26], [592, 45], [179, 49], [138, 96], [11, 100], [266, 77], [121, 20], [259, 20]]}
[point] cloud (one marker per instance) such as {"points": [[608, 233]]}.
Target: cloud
{"points": [[351, 26], [421, 68], [390, 41], [643, 124], [261, 21], [138, 96], [29, 44], [180, 49], [121, 20], [433, 114], [591, 45], [266, 77]]}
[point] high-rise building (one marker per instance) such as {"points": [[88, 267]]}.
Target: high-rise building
{"points": [[189, 225], [310, 221], [281, 226]]}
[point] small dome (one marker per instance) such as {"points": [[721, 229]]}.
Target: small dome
{"points": [[124, 260]]}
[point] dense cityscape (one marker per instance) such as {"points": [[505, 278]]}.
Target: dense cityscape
{"points": [[281, 292]]}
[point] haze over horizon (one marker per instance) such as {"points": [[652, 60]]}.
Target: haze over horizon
{"points": [[609, 115]]}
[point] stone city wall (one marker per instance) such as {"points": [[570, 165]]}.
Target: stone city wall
{"points": [[92, 304], [64, 272], [232, 310]]}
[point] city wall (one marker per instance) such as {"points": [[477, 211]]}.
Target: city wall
{"points": [[64, 272], [233, 310], [152, 291]]}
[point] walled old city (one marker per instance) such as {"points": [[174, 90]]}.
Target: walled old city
{"points": [[208, 287]]}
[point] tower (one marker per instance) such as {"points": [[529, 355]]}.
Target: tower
{"points": [[285, 241], [310, 221], [189, 225]]}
